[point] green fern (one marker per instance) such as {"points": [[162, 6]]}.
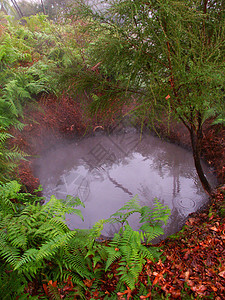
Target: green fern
{"points": [[153, 219], [130, 254], [8, 191], [77, 263], [95, 232], [127, 246], [35, 240], [53, 293], [121, 216], [12, 284]]}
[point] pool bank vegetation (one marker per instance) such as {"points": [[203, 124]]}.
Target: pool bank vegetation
{"points": [[157, 60]]}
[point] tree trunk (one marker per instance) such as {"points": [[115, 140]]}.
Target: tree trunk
{"points": [[17, 8], [43, 7], [196, 148]]}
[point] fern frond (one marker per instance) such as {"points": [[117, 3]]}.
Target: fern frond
{"points": [[50, 229], [12, 284], [4, 136], [78, 264], [53, 293], [132, 204], [95, 231], [8, 191], [79, 241], [59, 224], [152, 231], [147, 253], [10, 254], [50, 248], [17, 238], [131, 254], [27, 257], [75, 278], [73, 201], [127, 277], [60, 208], [113, 255]]}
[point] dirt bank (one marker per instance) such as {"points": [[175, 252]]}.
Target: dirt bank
{"points": [[50, 119], [53, 119]]}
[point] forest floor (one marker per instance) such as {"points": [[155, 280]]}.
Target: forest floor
{"points": [[192, 265]]}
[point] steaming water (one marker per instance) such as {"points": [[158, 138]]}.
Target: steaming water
{"points": [[106, 171]]}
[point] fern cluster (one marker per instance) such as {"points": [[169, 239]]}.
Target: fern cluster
{"points": [[32, 56], [36, 244], [24, 75], [35, 240], [127, 247]]}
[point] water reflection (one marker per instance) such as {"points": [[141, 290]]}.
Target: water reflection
{"points": [[106, 171]]}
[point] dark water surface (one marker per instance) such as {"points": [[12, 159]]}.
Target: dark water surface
{"points": [[106, 171]]}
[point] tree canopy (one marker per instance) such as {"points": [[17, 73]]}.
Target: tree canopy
{"points": [[168, 54]]}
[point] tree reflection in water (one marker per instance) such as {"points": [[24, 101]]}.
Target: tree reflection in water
{"points": [[107, 171]]}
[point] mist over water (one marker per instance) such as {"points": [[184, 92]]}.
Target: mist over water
{"points": [[107, 171]]}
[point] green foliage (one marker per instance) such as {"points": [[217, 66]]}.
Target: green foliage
{"points": [[127, 246], [35, 242], [152, 218], [23, 77], [33, 53], [35, 239], [166, 57], [12, 284], [8, 191], [39, 232], [149, 50], [9, 157], [131, 254], [220, 119]]}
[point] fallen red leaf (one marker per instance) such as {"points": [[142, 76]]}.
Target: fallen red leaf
{"points": [[147, 296], [214, 228], [45, 289], [156, 278], [88, 282], [186, 275], [199, 288], [222, 274], [96, 294], [186, 255], [128, 292], [52, 283], [213, 288], [175, 293]]}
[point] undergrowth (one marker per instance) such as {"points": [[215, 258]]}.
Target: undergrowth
{"points": [[33, 51], [37, 246]]}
